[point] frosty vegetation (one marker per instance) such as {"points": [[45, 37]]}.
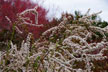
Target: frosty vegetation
{"points": [[72, 46], [21, 20]]}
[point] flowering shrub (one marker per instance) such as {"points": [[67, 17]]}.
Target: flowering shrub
{"points": [[71, 46], [70, 49]]}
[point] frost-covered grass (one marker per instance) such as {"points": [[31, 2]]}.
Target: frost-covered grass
{"points": [[75, 45]]}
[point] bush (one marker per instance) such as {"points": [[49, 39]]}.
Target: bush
{"points": [[62, 48]]}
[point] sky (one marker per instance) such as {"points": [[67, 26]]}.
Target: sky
{"points": [[56, 7]]}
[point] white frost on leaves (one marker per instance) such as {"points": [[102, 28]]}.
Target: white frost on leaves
{"points": [[22, 19], [18, 58], [60, 56]]}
